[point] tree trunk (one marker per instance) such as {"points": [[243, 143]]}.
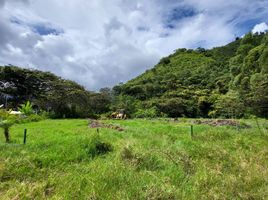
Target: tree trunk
{"points": [[6, 132]]}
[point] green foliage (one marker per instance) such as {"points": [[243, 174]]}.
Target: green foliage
{"points": [[151, 159], [244, 49], [125, 102], [32, 118], [164, 61], [6, 122], [179, 85], [182, 84], [174, 107], [258, 97], [228, 106], [141, 161], [96, 147], [251, 81], [264, 60], [147, 113], [26, 108], [60, 98]]}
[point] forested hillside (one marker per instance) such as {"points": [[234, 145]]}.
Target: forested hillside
{"points": [[228, 81], [57, 96]]}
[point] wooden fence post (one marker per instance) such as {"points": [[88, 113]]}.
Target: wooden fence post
{"points": [[192, 131], [25, 135]]}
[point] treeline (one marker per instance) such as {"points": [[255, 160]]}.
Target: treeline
{"points": [[228, 81], [58, 97]]}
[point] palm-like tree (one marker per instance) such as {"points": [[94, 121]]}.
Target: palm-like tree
{"points": [[26, 108], [6, 124], [6, 121]]}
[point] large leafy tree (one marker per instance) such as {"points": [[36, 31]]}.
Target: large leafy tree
{"points": [[62, 98]]}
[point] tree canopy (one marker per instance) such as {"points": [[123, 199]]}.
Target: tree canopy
{"points": [[47, 92], [201, 82]]}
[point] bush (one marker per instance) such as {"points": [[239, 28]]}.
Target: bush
{"points": [[32, 118], [173, 107], [147, 113]]}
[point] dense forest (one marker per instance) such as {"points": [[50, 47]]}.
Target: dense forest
{"points": [[48, 93], [229, 81]]}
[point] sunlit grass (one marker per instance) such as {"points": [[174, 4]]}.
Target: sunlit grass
{"points": [[151, 159]]}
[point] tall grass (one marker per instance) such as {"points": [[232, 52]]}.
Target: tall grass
{"points": [[64, 159]]}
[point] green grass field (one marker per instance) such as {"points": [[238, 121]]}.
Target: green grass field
{"points": [[151, 159]]}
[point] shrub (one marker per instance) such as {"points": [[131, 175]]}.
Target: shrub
{"points": [[173, 107], [147, 113], [32, 118]]}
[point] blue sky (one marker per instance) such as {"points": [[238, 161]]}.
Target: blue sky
{"points": [[100, 43]]}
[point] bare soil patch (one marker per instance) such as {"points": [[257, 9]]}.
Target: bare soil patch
{"points": [[98, 124], [222, 122]]}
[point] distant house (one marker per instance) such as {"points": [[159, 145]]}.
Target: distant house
{"points": [[16, 113]]}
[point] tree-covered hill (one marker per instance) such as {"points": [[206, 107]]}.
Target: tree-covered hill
{"points": [[62, 98], [228, 81]]}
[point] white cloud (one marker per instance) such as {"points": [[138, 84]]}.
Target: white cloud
{"points": [[101, 43], [262, 27]]}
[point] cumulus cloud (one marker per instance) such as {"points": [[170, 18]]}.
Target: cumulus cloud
{"points": [[100, 43], [262, 27]]}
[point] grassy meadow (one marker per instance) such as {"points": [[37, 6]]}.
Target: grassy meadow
{"points": [[150, 159]]}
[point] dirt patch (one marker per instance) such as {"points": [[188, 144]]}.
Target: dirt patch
{"points": [[222, 122], [98, 124]]}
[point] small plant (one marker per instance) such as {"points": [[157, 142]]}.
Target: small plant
{"points": [[6, 121], [6, 124], [26, 108], [102, 148], [127, 153]]}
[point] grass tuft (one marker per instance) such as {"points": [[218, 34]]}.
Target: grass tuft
{"points": [[94, 146]]}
